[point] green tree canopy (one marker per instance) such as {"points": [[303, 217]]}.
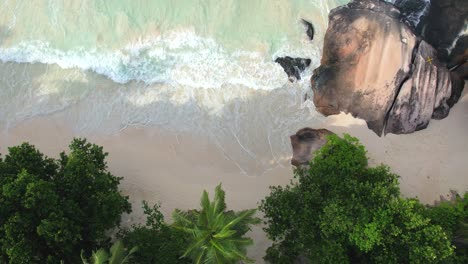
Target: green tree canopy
{"points": [[216, 235], [452, 216], [50, 209], [339, 210]]}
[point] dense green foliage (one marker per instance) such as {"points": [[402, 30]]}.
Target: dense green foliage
{"points": [[216, 235], [118, 255], [157, 242], [452, 216], [339, 210], [51, 209]]}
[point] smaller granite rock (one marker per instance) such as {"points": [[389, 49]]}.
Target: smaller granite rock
{"points": [[305, 142], [293, 66]]}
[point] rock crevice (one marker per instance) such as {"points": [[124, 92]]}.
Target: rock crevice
{"points": [[405, 79]]}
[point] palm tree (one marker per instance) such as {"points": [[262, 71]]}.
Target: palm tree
{"points": [[216, 234], [117, 255]]}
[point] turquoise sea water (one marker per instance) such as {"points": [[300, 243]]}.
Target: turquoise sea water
{"points": [[199, 66]]}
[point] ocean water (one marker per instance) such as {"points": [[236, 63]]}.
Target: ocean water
{"points": [[204, 67]]}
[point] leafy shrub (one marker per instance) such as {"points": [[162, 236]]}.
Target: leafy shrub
{"points": [[341, 211], [452, 216], [50, 209], [157, 242]]}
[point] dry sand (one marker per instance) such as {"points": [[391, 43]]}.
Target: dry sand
{"points": [[159, 166]]}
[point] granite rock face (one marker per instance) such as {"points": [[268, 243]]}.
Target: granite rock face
{"points": [[423, 96], [305, 142], [375, 67]]}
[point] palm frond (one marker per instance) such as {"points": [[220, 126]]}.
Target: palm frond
{"points": [[218, 221], [130, 253], [199, 258], [225, 234], [246, 214], [220, 248], [197, 244], [99, 257], [117, 253], [181, 219], [205, 213], [219, 199]]}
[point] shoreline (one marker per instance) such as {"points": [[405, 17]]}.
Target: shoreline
{"points": [[174, 169]]}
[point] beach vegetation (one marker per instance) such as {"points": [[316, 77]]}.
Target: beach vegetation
{"points": [[340, 210], [52, 209], [452, 216]]}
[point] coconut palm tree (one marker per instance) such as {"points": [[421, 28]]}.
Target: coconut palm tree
{"points": [[117, 255], [216, 234]]}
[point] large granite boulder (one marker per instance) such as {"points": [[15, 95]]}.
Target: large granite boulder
{"points": [[375, 68], [305, 142], [367, 55]]}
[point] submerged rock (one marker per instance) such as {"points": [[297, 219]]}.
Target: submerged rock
{"points": [[374, 67], [305, 142], [293, 66], [310, 29]]}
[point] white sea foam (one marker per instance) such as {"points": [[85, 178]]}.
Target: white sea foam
{"points": [[245, 98], [179, 57]]}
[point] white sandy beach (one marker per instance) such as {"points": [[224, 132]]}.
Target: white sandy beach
{"points": [[160, 166]]}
